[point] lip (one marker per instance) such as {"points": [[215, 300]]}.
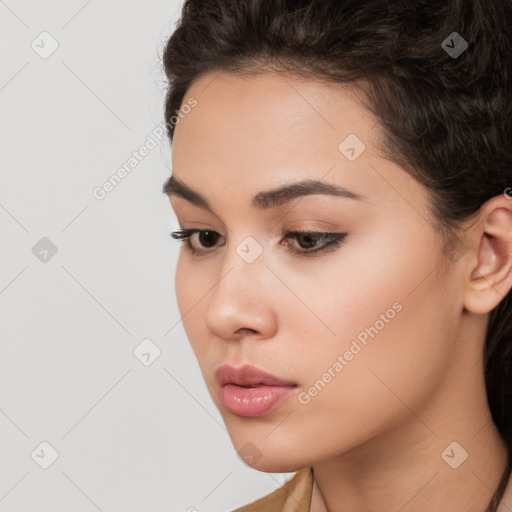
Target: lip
{"points": [[249, 391], [248, 376]]}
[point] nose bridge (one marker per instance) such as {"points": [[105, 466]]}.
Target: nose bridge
{"points": [[244, 259], [241, 273], [240, 299]]}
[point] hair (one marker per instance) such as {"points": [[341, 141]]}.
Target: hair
{"points": [[446, 119]]}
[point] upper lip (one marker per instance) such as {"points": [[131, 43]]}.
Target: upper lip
{"points": [[248, 376]]}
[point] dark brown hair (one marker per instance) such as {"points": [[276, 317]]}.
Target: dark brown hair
{"points": [[446, 116]]}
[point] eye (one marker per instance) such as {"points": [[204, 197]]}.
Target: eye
{"points": [[329, 241], [204, 235]]}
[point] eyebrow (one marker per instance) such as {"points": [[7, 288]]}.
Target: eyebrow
{"points": [[266, 199]]}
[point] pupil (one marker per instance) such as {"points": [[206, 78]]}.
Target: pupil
{"points": [[306, 237], [206, 235]]}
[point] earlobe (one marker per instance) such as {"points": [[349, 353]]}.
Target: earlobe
{"points": [[491, 278]]}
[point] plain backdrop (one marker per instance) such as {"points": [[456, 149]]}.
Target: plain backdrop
{"points": [[103, 406]]}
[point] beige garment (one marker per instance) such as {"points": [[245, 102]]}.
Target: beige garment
{"points": [[293, 496]]}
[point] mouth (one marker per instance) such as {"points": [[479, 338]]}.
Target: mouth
{"points": [[251, 392]]}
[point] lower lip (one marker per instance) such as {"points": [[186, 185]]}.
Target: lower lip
{"points": [[255, 401]]}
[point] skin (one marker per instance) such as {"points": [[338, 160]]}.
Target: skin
{"points": [[375, 433]]}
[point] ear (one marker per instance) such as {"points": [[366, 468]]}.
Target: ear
{"points": [[491, 277]]}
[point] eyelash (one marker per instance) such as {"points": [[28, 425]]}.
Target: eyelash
{"points": [[334, 240]]}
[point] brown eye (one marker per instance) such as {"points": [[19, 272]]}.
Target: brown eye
{"points": [[312, 242], [309, 240], [207, 238]]}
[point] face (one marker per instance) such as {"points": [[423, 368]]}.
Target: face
{"points": [[346, 328]]}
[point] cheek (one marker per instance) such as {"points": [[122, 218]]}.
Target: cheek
{"points": [[189, 291], [394, 326]]}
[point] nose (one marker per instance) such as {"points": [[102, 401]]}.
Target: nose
{"points": [[242, 302]]}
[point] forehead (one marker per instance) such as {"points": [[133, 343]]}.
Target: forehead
{"points": [[237, 109], [249, 133]]}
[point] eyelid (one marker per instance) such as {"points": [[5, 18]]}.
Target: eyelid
{"points": [[182, 231]]}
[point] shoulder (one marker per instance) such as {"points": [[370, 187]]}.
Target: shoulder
{"points": [[293, 495]]}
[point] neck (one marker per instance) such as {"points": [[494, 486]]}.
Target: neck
{"points": [[407, 467]]}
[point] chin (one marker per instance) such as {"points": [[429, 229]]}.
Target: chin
{"points": [[267, 457], [275, 464]]}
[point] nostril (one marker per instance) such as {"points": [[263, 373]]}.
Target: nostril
{"points": [[244, 331]]}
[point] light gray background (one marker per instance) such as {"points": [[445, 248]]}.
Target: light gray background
{"points": [[129, 437]]}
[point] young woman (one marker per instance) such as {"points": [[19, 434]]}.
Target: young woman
{"points": [[342, 174]]}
